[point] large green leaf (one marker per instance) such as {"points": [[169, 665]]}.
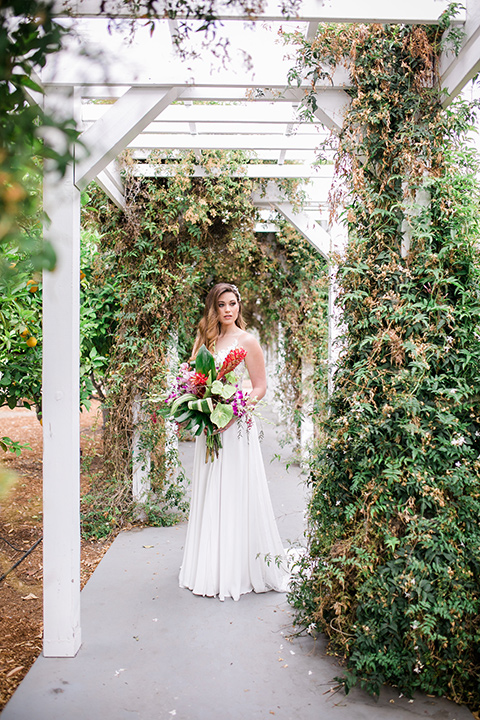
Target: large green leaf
{"points": [[204, 406], [180, 401], [204, 362], [223, 389], [222, 415]]}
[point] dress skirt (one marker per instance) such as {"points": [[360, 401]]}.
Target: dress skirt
{"points": [[232, 545]]}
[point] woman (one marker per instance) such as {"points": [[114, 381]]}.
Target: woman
{"points": [[232, 545]]}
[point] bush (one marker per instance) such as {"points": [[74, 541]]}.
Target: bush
{"points": [[392, 575]]}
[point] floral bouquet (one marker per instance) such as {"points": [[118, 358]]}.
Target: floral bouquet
{"points": [[205, 399]]}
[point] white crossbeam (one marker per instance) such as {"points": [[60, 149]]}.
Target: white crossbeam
{"points": [[307, 226], [456, 71], [195, 93], [303, 221], [292, 156], [339, 240], [66, 69], [248, 170], [332, 106], [111, 183], [249, 112], [120, 125], [239, 128], [226, 142], [341, 11]]}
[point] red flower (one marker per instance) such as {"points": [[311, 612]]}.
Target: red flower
{"points": [[199, 379], [154, 417], [233, 359]]}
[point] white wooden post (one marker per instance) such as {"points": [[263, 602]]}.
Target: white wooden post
{"points": [[60, 405], [307, 428], [339, 239], [413, 209], [171, 437], [141, 458]]}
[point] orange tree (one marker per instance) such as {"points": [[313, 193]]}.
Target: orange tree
{"points": [[20, 340], [21, 327]]}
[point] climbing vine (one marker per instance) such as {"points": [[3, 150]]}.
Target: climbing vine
{"points": [[392, 573], [176, 238]]}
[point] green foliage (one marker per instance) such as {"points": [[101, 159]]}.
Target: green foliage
{"points": [[29, 35], [99, 308], [392, 574], [13, 446], [177, 237], [21, 327]]}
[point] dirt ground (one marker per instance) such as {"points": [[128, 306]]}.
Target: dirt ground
{"points": [[20, 528]]}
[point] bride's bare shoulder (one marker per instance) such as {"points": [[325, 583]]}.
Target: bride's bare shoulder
{"points": [[248, 341]]}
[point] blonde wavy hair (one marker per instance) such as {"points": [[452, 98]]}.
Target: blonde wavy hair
{"points": [[209, 327]]}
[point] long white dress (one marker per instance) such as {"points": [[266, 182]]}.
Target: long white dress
{"points": [[232, 545]]}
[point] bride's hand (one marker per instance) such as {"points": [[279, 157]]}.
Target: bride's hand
{"points": [[221, 430]]}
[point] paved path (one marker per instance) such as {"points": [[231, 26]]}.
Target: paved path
{"points": [[152, 651]]}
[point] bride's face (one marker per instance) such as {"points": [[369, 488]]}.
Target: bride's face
{"points": [[227, 309]]}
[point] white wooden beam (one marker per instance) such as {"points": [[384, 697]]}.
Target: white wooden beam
{"points": [[339, 238], [340, 11], [67, 69], [226, 142], [332, 106], [121, 124], [33, 96], [303, 221], [307, 226], [456, 71], [203, 93], [147, 61], [292, 156], [111, 183], [141, 461], [239, 128], [60, 404], [248, 170], [271, 113]]}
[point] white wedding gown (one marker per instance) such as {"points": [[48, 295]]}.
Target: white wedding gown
{"points": [[232, 545]]}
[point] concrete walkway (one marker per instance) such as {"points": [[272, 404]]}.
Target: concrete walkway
{"points": [[152, 651]]}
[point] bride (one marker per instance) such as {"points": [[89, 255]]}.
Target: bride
{"points": [[232, 545]]}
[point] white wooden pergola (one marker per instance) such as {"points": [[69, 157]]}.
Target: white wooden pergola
{"points": [[155, 101]]}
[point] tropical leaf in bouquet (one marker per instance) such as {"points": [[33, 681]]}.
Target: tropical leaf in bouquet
{"points": [[222, 415], [204, 406], [205, 363], [224, 390], [183, 416], [180, 401]]}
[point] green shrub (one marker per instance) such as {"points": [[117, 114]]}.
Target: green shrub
{"points": [[392, 574]]}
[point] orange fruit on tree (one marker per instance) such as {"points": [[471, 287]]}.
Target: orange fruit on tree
{"points": [[33, 288], [31, 342], [24, 332]]}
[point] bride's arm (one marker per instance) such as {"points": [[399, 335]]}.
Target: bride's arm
{"points": [[255, 363], [256, 369]]}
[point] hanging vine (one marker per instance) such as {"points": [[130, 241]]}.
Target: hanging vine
{"points": [[392, 574], [177, 237]]}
